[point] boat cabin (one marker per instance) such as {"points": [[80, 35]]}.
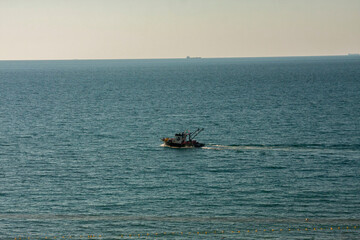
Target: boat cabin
{"points": [[180, 137]]}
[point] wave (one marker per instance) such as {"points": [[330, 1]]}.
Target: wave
{"points": [[285, 147], [206, 219]]}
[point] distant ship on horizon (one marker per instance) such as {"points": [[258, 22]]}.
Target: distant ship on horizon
{"points": [[354, 54], [188, 57]]}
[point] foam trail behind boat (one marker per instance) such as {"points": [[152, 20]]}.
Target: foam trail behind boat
{"points": [[300, 147]]}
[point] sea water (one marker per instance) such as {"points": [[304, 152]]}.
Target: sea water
{"points": [[81, 155]]}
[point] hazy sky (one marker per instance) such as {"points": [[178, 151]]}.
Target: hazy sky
{"points": [[118, 29]]}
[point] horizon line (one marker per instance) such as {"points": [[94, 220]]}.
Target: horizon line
{"points": [[177, 58]]}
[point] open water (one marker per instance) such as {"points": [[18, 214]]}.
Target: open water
{"points": [[81, 156]]}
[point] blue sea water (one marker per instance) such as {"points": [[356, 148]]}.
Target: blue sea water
{"points": [[81, 155]]}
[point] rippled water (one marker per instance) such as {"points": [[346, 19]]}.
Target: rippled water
{"points": [[81, 154]]}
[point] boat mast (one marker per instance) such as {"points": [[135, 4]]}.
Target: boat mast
{"points": [[195, 133]]}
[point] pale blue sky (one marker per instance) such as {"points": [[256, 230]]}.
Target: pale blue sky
{"points": [[122, 29]]}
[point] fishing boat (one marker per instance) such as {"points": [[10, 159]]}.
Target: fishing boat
{"points": [[184, 140]]}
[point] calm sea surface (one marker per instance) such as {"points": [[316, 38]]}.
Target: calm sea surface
{"points": [[80, 149]]}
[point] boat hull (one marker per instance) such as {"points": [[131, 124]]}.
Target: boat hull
{"points": [[184, 145]]}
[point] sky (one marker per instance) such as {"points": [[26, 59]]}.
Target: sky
{"points": [[143, 29]]}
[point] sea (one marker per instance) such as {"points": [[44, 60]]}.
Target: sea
{"points": [[81, 155]]}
